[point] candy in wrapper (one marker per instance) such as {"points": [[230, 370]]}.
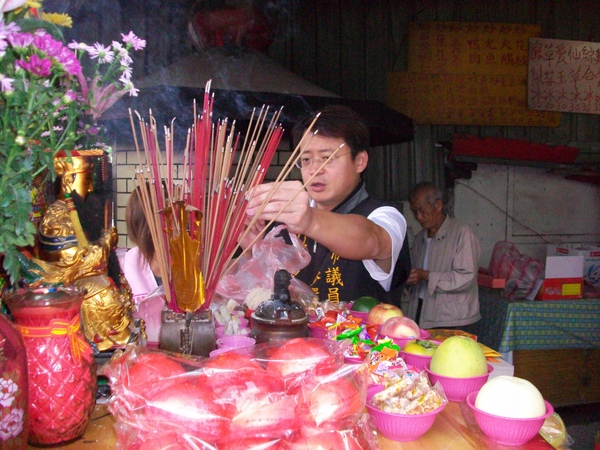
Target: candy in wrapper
{"points": [[409, 395], [383, 355]]}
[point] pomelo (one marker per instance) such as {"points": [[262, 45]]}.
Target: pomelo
{"points": [[364, 304], [508, 396], [459, 357]]}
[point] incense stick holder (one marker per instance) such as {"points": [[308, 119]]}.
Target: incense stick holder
{"points": [[187, 333]]}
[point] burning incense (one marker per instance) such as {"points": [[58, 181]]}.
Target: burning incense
{"points": [[195, 222]]}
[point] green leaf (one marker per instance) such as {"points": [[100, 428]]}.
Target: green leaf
{"points": [[30, 25]]}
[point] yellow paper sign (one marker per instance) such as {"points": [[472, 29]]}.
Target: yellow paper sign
{"points": [[462, 99], [470, 47]]}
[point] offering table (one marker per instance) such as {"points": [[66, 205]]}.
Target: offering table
{"points": [[454, 429], [555, 344]]}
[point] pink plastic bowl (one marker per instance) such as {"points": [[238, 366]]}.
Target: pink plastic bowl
{"points": [[219, 351], [418, 361], [373, 389], [457, 389], [219, 332], [235, 341], [403, 427], [504, 430], [359, 315], [320, 332]]}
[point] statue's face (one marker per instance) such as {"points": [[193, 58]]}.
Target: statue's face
{"points": [[82, 184], [75, 175]]}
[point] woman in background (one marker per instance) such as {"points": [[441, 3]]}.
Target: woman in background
{"points": [[140, 268], [139, 265]]}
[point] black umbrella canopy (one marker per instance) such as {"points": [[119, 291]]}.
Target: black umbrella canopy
{"points": [[387, 126]]}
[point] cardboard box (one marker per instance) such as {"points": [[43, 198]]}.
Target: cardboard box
{"points": [[591, 265], [563, 278]]}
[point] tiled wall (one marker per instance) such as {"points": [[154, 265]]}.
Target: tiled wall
{"points": [[126, 162]]}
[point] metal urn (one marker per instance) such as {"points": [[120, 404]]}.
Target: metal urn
{"points": [[279, 318]]}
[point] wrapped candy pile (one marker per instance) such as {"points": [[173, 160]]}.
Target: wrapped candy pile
{"points": [[291, 394]]}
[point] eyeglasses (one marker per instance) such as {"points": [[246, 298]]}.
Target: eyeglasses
{"points": [[305, 162]]}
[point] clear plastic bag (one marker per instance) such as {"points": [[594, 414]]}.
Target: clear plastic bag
{"points": [[521, 272], [280, 394], [257, 271]]}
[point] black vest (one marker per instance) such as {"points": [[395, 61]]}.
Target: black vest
{"points": [[339, 279]]}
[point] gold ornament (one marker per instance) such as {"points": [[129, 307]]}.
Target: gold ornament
{"points": [[68, 258]]}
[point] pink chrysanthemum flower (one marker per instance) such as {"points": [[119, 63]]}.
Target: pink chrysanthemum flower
{"points": [[37, 66], [69, 97], [125, 58], [6, 83], [79, 46], [133, 40], [6, 29], [127, 73], [69, 61], [20, 40], [47, 44], [133, 92], [103, 53]]}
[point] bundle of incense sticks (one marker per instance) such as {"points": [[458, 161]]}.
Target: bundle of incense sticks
{"points": [[218, 170]]}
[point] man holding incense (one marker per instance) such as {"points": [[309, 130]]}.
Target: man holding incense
{"points": [[357, 243]]}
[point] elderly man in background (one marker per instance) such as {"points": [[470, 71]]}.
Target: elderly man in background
{"points": [[445, 254]]}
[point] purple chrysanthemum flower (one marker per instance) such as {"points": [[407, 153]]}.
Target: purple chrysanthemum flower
{"points": [[69, 61], [47, 44], [20, 40], [69, 97], [6, 29], [37, 66]]}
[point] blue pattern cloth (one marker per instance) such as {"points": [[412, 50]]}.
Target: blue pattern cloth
{"points": [[508, 325]]}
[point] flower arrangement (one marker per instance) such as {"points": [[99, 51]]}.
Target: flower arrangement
{"points": [[51, 96]]}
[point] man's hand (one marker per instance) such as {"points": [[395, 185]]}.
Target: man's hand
{"points": [[289, 204], [417, 275]]}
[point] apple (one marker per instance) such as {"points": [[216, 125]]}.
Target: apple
{"points": [[400, 327], [299, 356], [382, 312], [328, 401], [459, 357], [421, 347], [190, 407], [513, 397]]}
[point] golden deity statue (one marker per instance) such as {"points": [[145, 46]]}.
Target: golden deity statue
{"points": [[67, 257]]}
